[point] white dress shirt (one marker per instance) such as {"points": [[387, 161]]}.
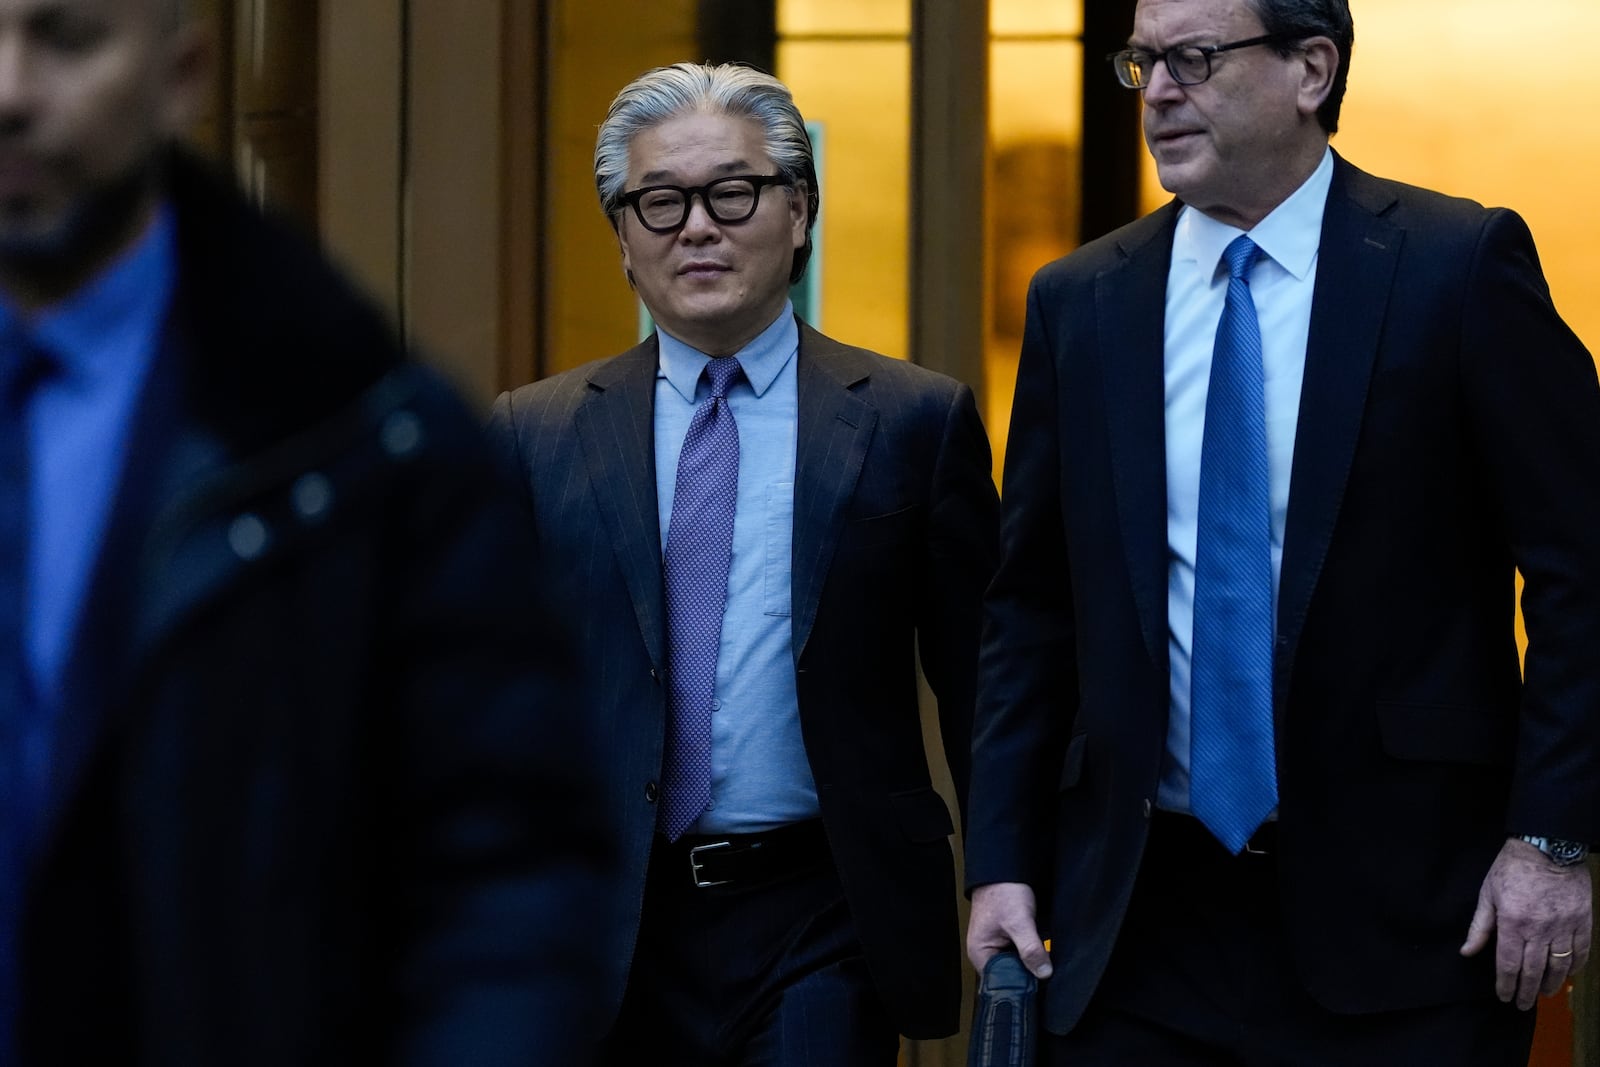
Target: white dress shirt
{"points": [[1281, 285]]}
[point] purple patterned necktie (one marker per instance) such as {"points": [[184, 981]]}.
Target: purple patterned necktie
{"points": [[1233, 782], [699, 550]]}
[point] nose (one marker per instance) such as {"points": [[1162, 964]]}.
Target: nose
{"points": [[17, 89], [699, 226], [1163, 87]]}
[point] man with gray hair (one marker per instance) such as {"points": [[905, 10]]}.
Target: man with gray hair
{"points": [[1253, 749], [750, 528]]}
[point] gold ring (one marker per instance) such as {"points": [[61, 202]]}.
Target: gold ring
{"points": [[1560, 955]]}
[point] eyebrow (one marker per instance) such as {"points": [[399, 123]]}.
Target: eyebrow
{"points": [[737, 166], [1182, 43]]}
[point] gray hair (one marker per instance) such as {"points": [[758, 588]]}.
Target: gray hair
{"points": [[1299, 19], [729, 89]]}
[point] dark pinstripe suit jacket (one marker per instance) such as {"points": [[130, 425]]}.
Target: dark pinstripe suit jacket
{"points": [[894, 542]]}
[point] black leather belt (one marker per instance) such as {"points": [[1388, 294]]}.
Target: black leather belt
{"points": [[738, 859], [1190, 833]]}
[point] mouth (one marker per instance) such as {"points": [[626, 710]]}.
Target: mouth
{"points": [[19, 176], [1172, 138], [702, 269]]}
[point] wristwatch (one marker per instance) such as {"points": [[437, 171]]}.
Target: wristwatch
{"points": [[1562, 853]]}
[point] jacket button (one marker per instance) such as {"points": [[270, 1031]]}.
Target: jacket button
{"points": [[651, 792], [312, 496], [400, 434], [1147, 807], [248, 536], [655, 676]]}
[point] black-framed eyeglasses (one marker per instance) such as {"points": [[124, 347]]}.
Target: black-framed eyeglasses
{"points": [[1189, 64], [729, 201]]}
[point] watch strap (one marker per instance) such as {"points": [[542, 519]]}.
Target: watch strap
{"points": [[1560, 851]]}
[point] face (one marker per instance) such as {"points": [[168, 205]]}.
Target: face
{"points": [[90, 91], [711, 285], [1236, 145]]}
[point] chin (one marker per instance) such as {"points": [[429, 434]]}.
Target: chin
{"points": [[1177, 179], [35, 238], [81, 230], [707, 312]]}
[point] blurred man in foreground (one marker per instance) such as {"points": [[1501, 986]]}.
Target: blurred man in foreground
{"points": [[273, 754]]}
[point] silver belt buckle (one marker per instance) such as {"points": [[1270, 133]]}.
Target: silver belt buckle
{"points": [[1250, 846], [696, 869]]}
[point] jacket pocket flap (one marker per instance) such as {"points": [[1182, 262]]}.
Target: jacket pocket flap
{"points": [[894, 527], [1443, 733], [922, 815], [1072, 762]]}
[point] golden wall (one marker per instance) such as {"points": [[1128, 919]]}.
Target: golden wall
{"points": [[1491, 101], [1495, 102], [594, 50]]}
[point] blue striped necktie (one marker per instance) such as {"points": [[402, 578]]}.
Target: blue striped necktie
{"points": [[695, 566], [1233, 773]]}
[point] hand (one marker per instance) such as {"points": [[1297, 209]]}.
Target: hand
{"points": [[1003, 917], [1541, 916]]}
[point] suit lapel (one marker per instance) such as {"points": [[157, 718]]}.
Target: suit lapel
{"points": [[615, 428], [181, 533], [141, 585], [1131, 342], [835, 427], [1355, 271]]}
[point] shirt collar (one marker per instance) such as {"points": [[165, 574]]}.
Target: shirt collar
{"points": [[762, 359], [1289, 235], [120, 306]]}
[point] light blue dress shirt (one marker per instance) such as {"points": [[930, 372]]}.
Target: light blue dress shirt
{"points": [[104, 339], [760, 777]]}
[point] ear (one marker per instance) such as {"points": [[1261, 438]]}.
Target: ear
{"points": [[799, 213], [1320, 57], [187, 77]]}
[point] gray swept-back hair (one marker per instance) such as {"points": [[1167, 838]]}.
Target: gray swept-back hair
{"points": [[728, 89], [1299, 19]]}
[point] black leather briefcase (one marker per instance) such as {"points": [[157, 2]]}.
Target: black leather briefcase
{"points": [[1005, 1022]]}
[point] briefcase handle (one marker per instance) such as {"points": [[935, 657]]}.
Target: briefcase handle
{"points": [[1005, 1020]]}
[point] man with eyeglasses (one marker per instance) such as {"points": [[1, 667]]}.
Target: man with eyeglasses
{"points": [[1252, 747], [750, 528]]}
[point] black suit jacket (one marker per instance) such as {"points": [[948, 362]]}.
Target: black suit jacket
{"points": [[311, 727], [893, 543], [1449, 431]]}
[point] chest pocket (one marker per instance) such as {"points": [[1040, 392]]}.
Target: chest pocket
{"points": [[776, 583]]}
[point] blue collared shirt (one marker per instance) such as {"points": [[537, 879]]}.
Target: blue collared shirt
{"points": [[760, 777], [103, 339]]}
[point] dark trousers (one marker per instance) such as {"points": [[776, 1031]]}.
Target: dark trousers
{"points": [[1201, 975], [761, 972]]}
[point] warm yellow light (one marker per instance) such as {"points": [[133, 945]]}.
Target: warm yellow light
{"points": [[1035, 17], [1458, 95], [1462, 96], [1035, 174], [860, 94], [844, 17]]}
